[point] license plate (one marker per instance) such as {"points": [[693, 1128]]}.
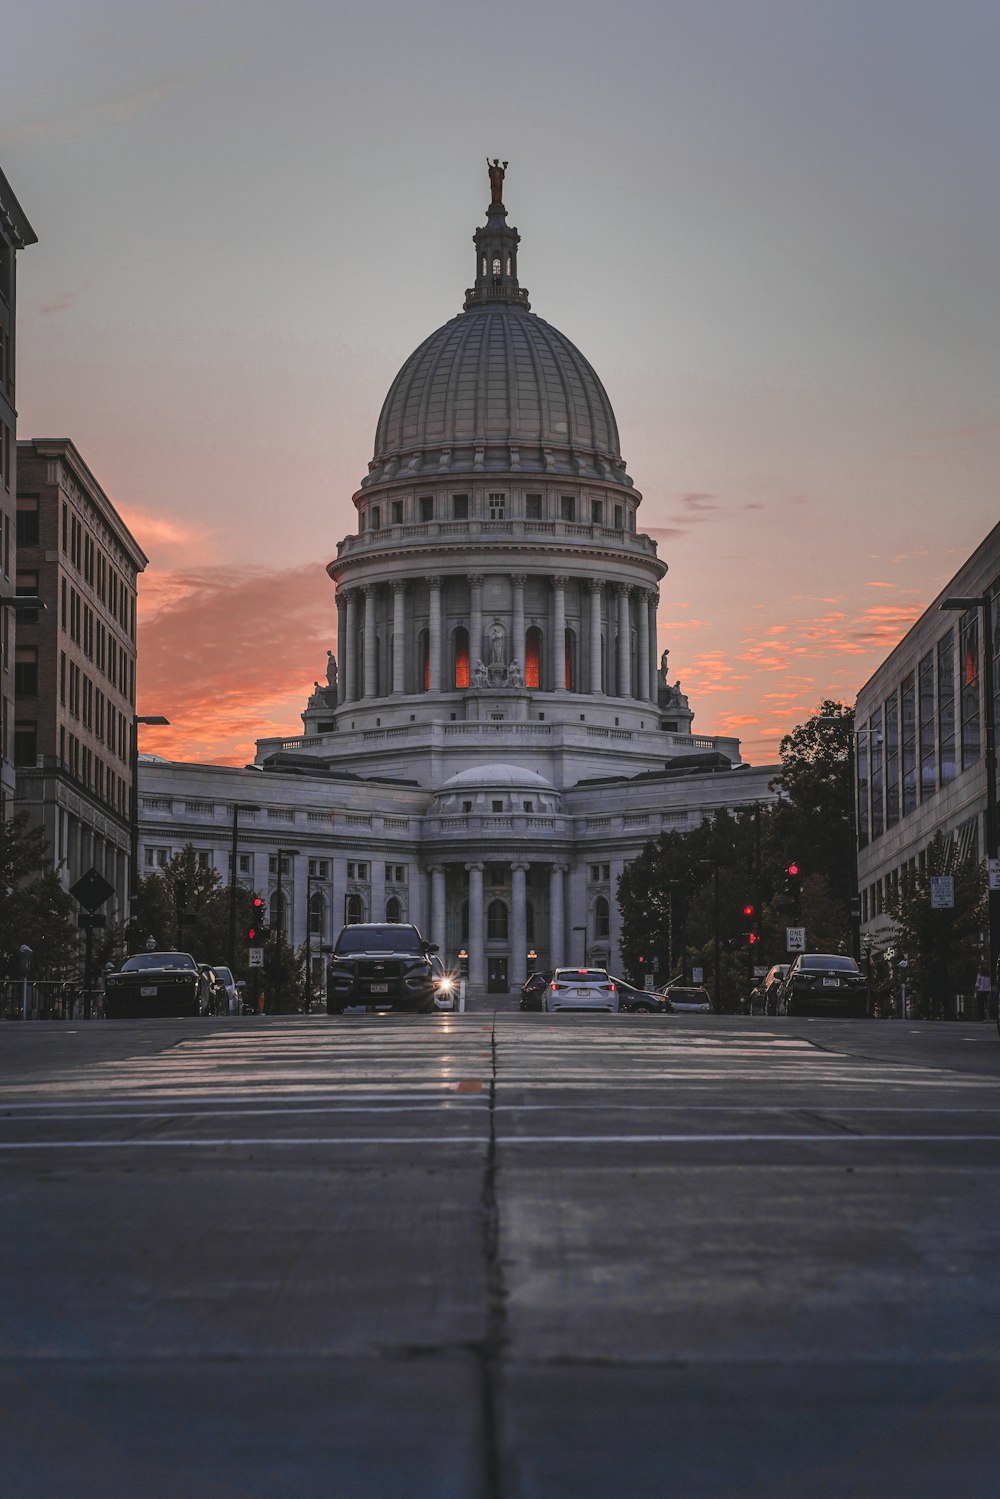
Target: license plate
{"points": [[149, 992], [831, 983], [583, 993], [378, 988]]}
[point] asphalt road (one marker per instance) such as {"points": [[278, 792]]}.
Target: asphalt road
{"points": [[500, 1256]]}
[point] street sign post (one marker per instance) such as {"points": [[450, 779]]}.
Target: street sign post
{"points": [[942, 892], [993, 865], [91, 890], [256, 957], [795, 939]]}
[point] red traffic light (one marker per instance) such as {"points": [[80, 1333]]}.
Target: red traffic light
{"points": [[753, 938], [748, 910], [251, 933], [258, 905], [792, 871]]}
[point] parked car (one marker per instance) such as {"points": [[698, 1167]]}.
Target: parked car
{"points": [[381, 964], [638, 1001], [580, 989], [153, 983], [229, 997], [687, 998], [533, 989], [823, 984], [446, 985], [769, 988]]}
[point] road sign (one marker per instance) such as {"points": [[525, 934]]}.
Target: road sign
{"points": [[256, 957], [994, 871], [759, 971], [942, 892], [795, 939], [91, 889], [697, 975]]}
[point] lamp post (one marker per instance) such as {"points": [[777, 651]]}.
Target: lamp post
{"points": [[984, 603], [238, 807], [311, 880], [133, 876], [283, 853]]}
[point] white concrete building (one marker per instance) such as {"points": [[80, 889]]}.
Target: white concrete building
{"points": [[497, 736]]}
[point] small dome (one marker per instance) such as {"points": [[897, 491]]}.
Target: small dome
{"points": [[496, 776]]}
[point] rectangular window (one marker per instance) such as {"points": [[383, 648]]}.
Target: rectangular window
{"points": [[968, 665], [619, 517], [397, 512], [874, 737], [27, 520], [272, 864], [928, 727], [350, 871], [26, 671], [497, 505], [375, 517], [891, 711], [362, 871], [25, 742], [426, 503], [946, 706], [319, 869], [460, 507], [861, 789], [533, 506], [26, 584], [908, 734], [567, 507], [597, 512]]}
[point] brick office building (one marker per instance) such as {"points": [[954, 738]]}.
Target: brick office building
{"points": [[75, 666]]}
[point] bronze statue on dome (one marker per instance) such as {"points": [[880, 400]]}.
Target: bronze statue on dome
{"points": [[496, 172]]}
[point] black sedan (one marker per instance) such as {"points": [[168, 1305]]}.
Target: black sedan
{"points": [[639, 1001], [533, 989], [823, 984]]}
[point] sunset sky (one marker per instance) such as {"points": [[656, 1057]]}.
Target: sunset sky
{"points": [[773, 227]]}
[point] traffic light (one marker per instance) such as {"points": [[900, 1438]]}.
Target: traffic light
{"points": [[255, 931], [793, 886], [750, 931]]}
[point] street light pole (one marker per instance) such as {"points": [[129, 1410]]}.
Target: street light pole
{"points": [[238, 807], [133, 877], [282, 854], [984, 603]]}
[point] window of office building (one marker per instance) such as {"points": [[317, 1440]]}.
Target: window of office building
{"points": [[968, 658], [874, 737], [928, 727], [26, 671], [25, 741], [908, 718], [891, 711], [27, 520]]}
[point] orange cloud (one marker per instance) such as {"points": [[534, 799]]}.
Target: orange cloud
{"points": [[229, 655]]}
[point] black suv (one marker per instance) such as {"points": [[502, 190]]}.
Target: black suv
{"points": [[823, 984], [381, 963]]}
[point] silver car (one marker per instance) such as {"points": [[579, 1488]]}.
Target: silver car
{"points": [[580, 989]]}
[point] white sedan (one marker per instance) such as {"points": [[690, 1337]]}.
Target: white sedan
{"points": [[580, 989]]}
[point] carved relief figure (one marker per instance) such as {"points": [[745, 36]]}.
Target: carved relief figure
{"points": [[481, 675], [514, 678], [496, 644], [331, 669]]}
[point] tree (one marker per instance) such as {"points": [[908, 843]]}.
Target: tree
{"points": [[941, 948], [811, 823], [34, 908], [185, 905]]}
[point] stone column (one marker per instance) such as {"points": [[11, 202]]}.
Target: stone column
{"points": [[477, 931], [518, 970], [399, 636], [517, 620], [559, 634], [371, 642], [338, 892], [595, 585], [437, 931], [475, 622], [342, 646], [624, 642], [434, 584], [557, 916], [376, 887], [349, 668], [642, 651], [577, 906], [653, 600]]}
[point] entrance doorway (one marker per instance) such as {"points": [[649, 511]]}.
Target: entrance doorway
{"points": [[496, 975]]}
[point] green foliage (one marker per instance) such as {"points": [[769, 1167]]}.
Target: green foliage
{"points": [[34, 908], [812, 821], [188, 890], [941, 948]]}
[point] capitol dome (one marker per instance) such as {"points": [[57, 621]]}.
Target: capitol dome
{"points": [[497, 388], [497, 775]]}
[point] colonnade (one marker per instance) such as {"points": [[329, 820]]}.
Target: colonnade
{"points": [[619, 626]]}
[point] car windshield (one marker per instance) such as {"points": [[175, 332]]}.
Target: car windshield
{"points": [[159, 960], [223, 975], [829, 961], [581, 976], [395, 939]]}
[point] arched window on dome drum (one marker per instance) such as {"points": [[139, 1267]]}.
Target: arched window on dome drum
{"points": [[393, 909], [496, 265], [354, 910], [424, 660], [533, 657], [496, 921], [460, 646], [602, 917], [570, 662]]}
